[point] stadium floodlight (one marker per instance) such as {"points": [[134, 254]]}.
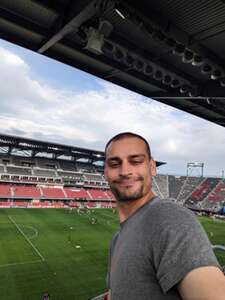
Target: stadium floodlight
{"points": [[129, 60], [188, 56], [184, 89], [175, 83], [179, 50], [216, 74], [167, 79], [206, 69], [148, 70], [158, 75], [193, 92], [222, 82], [193, 165], [197, 60], [95, 37], [138, 64]]}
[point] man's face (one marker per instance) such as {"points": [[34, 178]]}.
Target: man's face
{"points": [[128, 169]]}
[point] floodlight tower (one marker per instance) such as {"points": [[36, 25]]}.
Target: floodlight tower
{"points": [[193, 165]]}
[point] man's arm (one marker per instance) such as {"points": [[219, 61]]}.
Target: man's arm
{"points": [[203, 283]]}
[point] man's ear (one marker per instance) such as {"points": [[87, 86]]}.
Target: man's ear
{"points": [[153, 167]]}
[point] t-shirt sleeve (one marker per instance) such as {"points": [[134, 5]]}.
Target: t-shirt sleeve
{"points": [[182, 245]]}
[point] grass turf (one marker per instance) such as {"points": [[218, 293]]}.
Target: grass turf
{"points": [[52, 250]]}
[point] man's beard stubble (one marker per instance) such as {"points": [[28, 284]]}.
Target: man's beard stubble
{"points": [[123, 197]]}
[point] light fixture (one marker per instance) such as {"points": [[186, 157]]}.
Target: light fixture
{"points": [[167, 79], [206, 69], [197, 60], [95, 37], [175, 83], [148, 70], [187, 56], [158, 75], [193, 92], [95, 41], [179, 49], [129, 60], [120, 13], [222, 82], [216, 74], [138, 64], [184, 89]]}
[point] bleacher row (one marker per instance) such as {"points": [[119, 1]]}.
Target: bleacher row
{"points": [[12, 191], [193, 192], [56, 204]]}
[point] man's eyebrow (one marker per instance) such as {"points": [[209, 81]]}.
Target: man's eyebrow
{"points": [[113, 158], [137, 156]]}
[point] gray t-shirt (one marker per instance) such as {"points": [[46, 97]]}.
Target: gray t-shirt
{"points": [[154, 250]]}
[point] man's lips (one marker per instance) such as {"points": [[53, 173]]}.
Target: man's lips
{"points": [[127, 182]]}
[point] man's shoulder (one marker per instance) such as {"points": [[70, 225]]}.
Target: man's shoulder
{"points": [[165, 210]]}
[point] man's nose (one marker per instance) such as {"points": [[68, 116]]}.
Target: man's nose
{"points": [[125, 169]]}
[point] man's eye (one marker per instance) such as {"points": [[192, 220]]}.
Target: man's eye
{"points": [[136, 162], [114, 165]]}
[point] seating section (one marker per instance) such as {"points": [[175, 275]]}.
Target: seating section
{"points": [[98, 194], [26, 191], [189, 186], [19, 170], [218, 194], [162, 183], [53, 193], [201, 192], [93, 177], [5, 191], [175, 185], [77, 194], [193, 192], [45, 173]]}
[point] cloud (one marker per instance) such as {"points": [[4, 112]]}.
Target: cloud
{"points": [[89, 118]]}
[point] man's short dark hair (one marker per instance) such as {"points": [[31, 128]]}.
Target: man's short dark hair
{"points": [[128, 134]]}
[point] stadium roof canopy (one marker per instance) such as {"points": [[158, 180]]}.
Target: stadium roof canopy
{"points": [[19, 146], [171, 51]]}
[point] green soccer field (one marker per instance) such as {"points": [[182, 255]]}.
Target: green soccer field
{"points": [[62, 253]]}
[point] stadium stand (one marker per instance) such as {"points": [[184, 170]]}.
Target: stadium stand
{"points": [[5, 191], [18, 170], [53, 193], [31, 192], [188, 187], [175, 185], [161, 183], [43, 172], [77, 194], [201, 192], [49, 182]]}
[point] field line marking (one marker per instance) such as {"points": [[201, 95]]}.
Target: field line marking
{"points": [[108, 216], [23, 234], [21, 263]]}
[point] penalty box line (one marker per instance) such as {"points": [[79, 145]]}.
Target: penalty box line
{"points": [[26, 238], [22, 263]]}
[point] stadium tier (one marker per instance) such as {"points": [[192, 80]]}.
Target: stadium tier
{"points": [[40, 181]]}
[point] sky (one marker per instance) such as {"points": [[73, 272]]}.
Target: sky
{"points": [[44, 99]]}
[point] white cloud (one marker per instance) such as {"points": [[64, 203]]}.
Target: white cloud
{"points": [[90, 118]]}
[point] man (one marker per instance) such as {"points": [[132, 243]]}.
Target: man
{"points": [[161, 250]]}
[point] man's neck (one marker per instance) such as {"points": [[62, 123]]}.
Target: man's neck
{"points": [[128, 208]]}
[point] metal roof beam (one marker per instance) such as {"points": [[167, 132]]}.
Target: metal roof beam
{"points": [[72, 26]]}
